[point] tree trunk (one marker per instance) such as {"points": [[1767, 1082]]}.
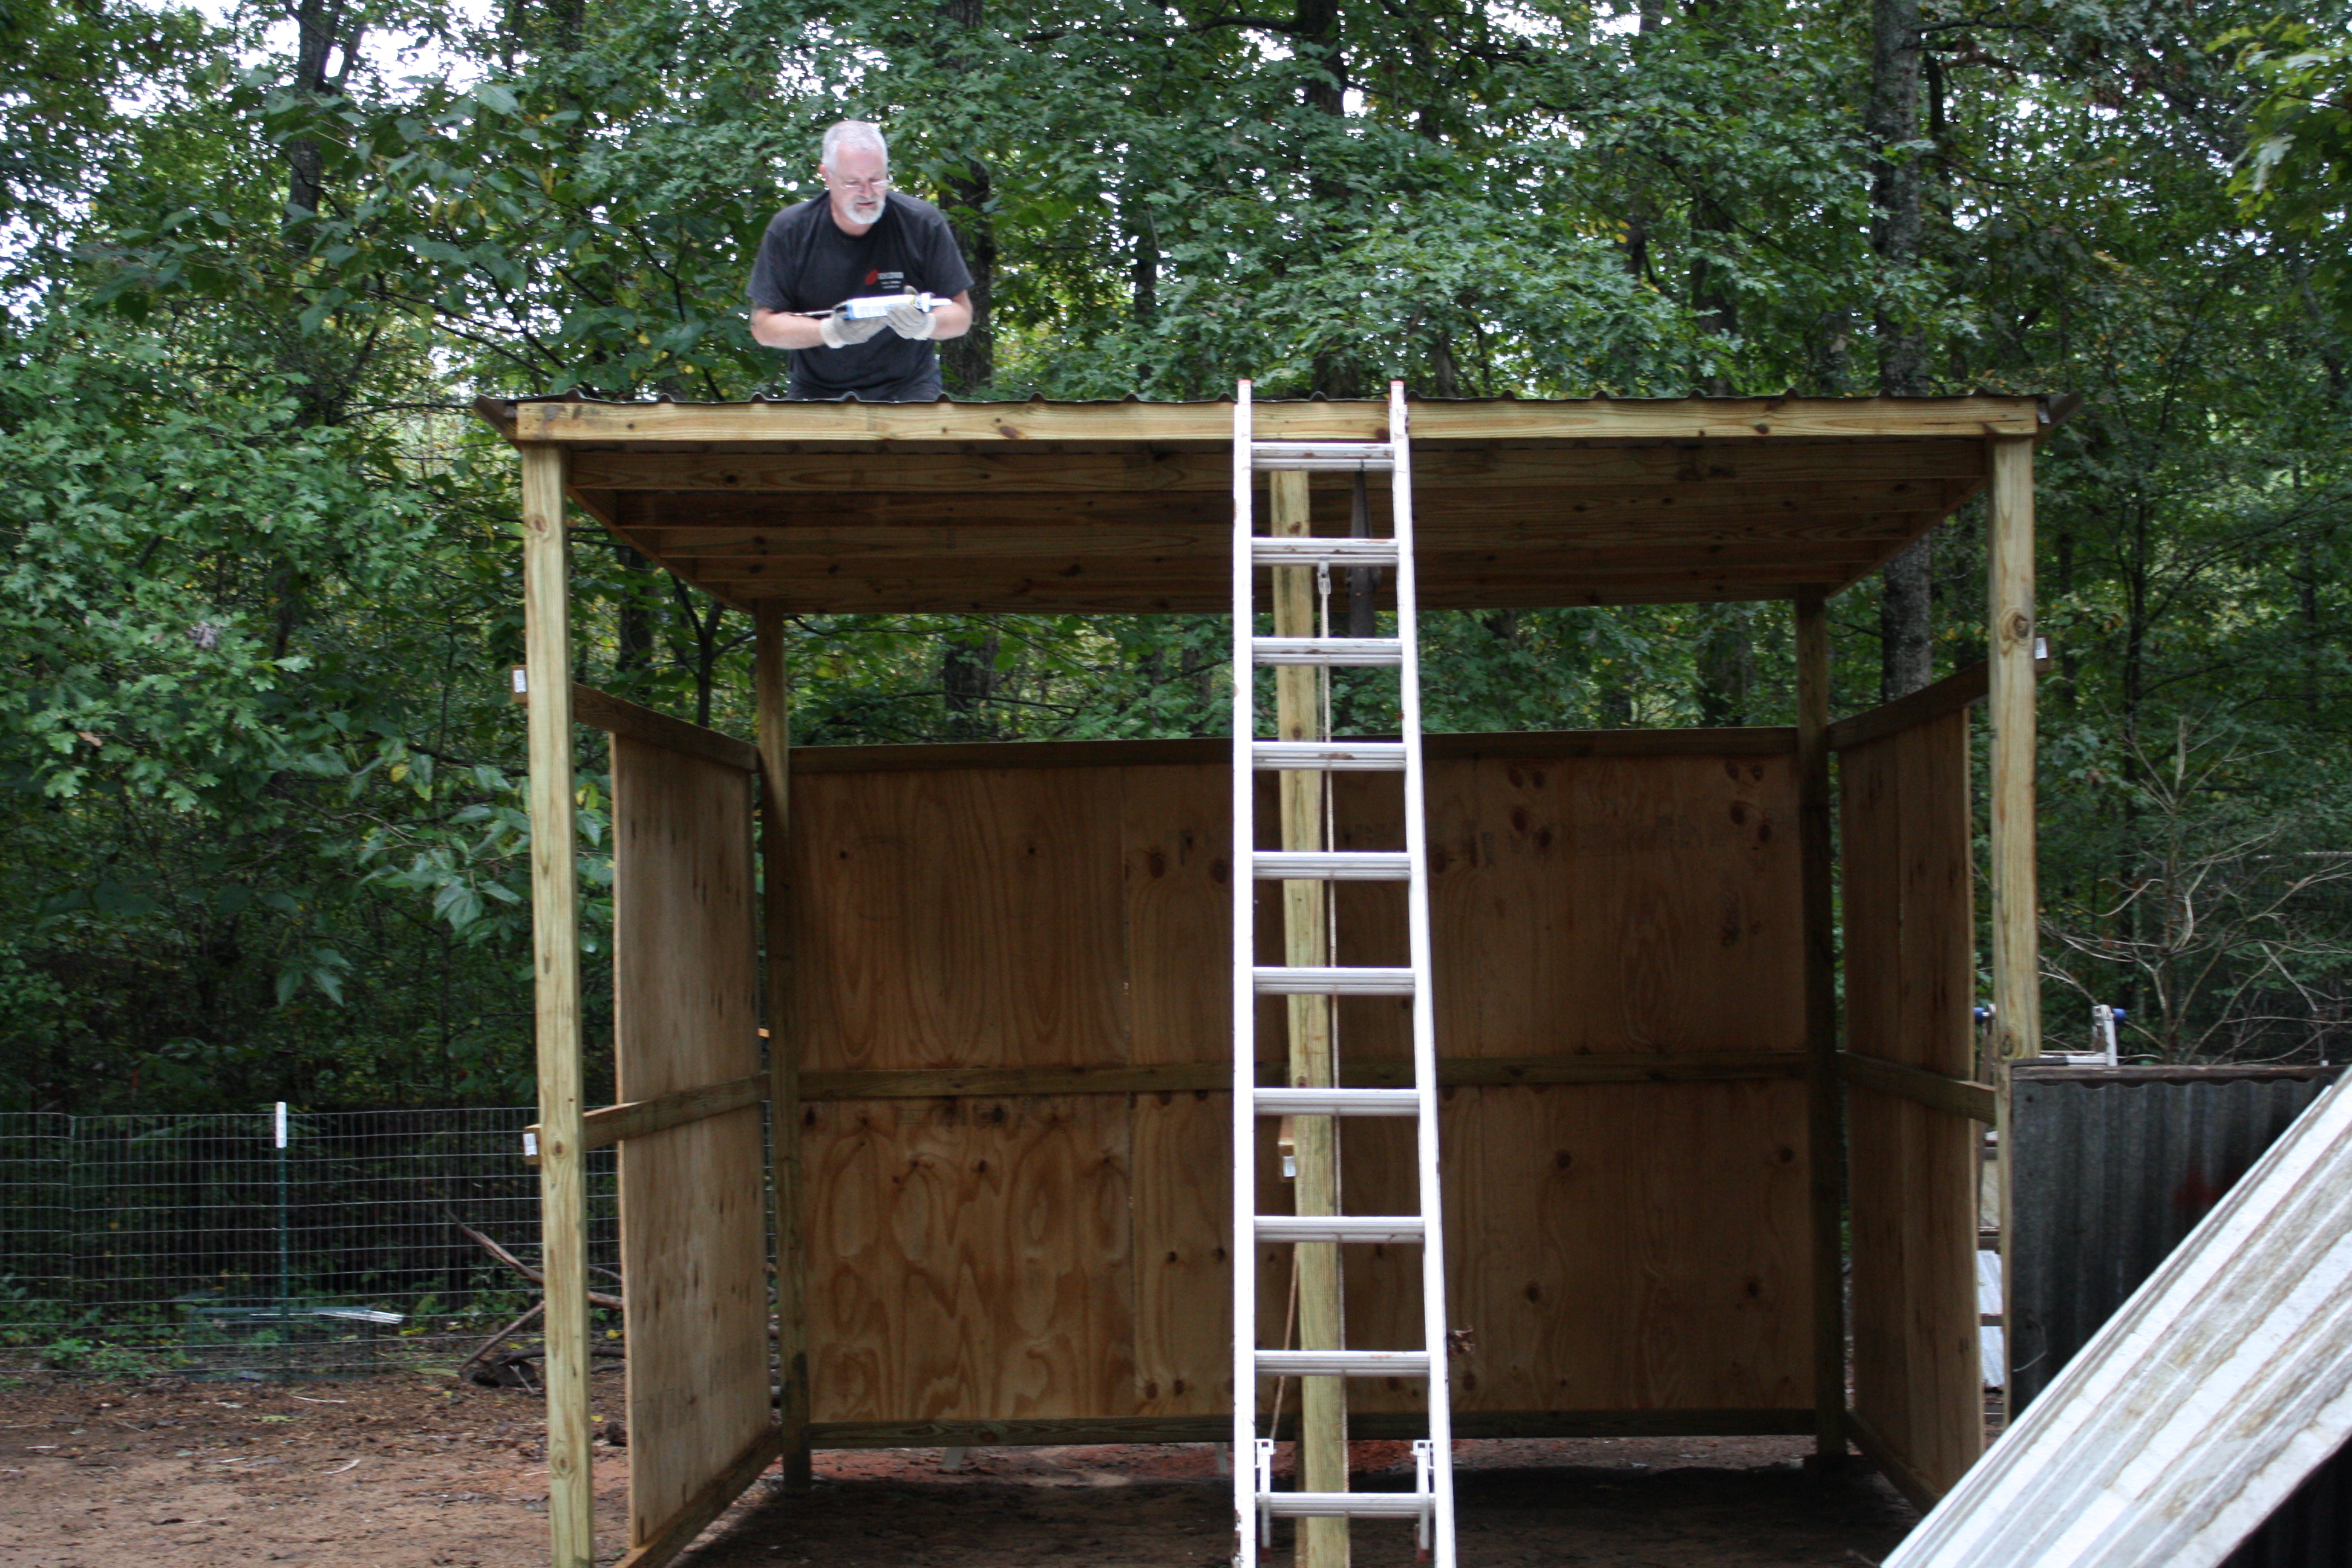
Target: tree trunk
{"points": [[320, 28], [968, 363], [1906, 596], [968, 675]]}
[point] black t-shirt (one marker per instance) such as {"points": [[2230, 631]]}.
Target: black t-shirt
{"points": [[807, 263]]}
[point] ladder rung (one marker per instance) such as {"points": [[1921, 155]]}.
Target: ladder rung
{"points": [[1323, 456], [1370, 653], [1333, 866], [1345, 1505], [1266, 552], [1394, 1228], [1275, 980], [1343, 1363], [1338, 1102], [1327, 756]]}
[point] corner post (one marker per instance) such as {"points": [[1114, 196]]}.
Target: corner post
{"points": [[1322, 1401], [555, 958], [2016, 895], [774, 700], [1824, 1094]]}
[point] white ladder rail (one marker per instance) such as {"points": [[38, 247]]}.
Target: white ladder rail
{"points": [[1256, 1503]]}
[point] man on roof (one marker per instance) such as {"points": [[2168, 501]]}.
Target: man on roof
{"points": [[861, 240]]}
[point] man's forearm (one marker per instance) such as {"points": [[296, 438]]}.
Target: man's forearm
{"points": [[782, 330], [952, 318]]}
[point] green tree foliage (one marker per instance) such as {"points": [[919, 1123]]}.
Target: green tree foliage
{"points": [[257, 769]]}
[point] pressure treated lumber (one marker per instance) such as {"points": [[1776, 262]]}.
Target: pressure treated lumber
{"points": [[555, 961], [1305, 937], [1956, 1096], [1210, 425], [1369, 1427], [772, 700], [1192, 1078], [618, 716], [1825, 1103], [675, 1533], [1761, 741], [2016, 972], [602, 1128]]}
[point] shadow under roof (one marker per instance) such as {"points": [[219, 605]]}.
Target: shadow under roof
{"points": [[1095, 508]]}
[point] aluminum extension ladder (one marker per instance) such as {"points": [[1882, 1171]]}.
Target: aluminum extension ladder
{"points": [[1256, 1503]]}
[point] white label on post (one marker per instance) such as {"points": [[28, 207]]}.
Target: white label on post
{"points": [[521, 681], [531, 1145], [281, 1124]]}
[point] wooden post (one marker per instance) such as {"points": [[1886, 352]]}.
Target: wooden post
{"points": [[1298, 716], [772, 698], [2016, 898], [2016, 959], [556, 956], [1824, 1092]]}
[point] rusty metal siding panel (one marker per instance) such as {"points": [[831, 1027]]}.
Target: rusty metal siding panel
{"points": [[2111, 1168]]}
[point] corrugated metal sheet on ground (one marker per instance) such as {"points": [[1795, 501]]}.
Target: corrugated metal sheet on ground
{"points": [[2187, 1428]]}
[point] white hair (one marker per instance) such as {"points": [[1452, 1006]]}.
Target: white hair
{"points": [[852, 133]]}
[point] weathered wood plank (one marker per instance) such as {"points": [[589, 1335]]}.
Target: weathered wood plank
{"points": [[693, 1219], [555, 961], [1210, 423]]}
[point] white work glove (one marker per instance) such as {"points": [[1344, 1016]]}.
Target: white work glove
{"points": [[909, 318], [840, 331]]}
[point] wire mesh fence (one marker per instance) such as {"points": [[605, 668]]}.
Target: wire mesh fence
{"points": [[213, 1245]]}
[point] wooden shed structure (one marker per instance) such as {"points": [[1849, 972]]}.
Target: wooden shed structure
{"points": [[997, 975]]}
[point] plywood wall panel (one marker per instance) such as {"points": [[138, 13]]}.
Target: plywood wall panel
{"points": [[970, 1257], [1586, 904], [693, 1221], [966, 920], [1910, 926], [1615, 904]]}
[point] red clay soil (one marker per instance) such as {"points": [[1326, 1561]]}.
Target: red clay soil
{"points": [[402, 1471]]}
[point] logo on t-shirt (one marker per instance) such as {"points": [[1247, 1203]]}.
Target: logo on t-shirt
{"points": [[891, 282], [872, 278]]}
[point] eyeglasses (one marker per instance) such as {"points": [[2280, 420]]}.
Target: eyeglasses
{"points": [[871, 187]]}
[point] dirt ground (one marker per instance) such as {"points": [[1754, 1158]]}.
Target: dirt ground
{"points": [[405, 1470]]}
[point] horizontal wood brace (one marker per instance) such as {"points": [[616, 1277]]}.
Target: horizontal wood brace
{"points": [[1375, 1426], [675, 1533], [1899, 1471], [601, 1129], [1207, 1077], [1961, 689], [1530, 747], [618, 716], [1958, 1096]]}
